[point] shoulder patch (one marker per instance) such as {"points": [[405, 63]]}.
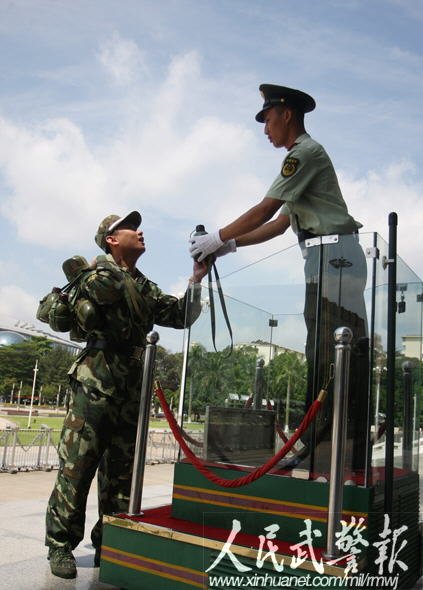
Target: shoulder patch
{"points": [[289, 166]]}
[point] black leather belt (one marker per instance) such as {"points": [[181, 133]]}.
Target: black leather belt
{"points": [[133, 352]]}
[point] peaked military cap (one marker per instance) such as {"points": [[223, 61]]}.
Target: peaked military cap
{"points": [[112, 222], [290, 97]]}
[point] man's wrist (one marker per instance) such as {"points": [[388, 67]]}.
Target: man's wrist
{"points": [[221, 233]]}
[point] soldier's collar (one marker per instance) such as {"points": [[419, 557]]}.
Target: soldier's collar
{"points": [[299, 139]]}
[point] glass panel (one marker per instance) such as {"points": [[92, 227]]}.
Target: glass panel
{"points": [[342, 303], [378, 359], [408, 367], [226, 391], [408, 364], [251, 399], [283, 311]]}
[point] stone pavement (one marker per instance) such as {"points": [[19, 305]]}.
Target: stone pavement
{"points": [[4, 423], [23, 556]]}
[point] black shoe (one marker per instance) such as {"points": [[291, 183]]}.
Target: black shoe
{"points": [[62, 562], [97, 557]]}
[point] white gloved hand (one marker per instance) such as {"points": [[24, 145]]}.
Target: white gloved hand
{"points": [[204, 245], [228, 247]]}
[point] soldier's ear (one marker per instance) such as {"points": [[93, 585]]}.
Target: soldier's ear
{"points": [[112, 240], [288, 114]]}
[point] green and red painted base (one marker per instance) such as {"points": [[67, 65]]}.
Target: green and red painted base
{"points": [[172, 547]]}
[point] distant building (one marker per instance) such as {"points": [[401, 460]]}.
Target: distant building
{"points": [[13, 331], [412, 346], [268, 350]]}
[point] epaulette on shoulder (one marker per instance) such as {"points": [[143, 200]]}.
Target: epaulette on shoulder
{"points": [[105, 262]]}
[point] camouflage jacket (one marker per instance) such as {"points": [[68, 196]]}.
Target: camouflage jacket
{"points": [[128, 307]]}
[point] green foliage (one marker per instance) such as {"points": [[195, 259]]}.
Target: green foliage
{"points": [[212, 376], [168, 368], [54, 367], [287, 375], [17, 363], [415, 386]]}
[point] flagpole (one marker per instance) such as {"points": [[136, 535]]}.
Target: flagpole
{"points": [[32, 394]]}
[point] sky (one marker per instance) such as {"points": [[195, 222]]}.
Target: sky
{"points": [[108, 106]]}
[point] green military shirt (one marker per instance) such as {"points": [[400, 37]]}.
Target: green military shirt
{"points": [[309, 188], [128, 307]]}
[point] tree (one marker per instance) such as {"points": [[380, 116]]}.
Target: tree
{"points": [[212, 376], [168, 369], [287, 381], [53, 371], [17, 363], [17, 360]]}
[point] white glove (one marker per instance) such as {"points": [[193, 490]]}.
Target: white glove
{"points": [[204, 245], [227, 248]]}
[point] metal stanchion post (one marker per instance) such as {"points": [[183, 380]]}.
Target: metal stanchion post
{"points": [[407, 441], [259, 385], [343, 337], [40, 438], [48, 444], [5, 448], [12, 467], [142, 429]]}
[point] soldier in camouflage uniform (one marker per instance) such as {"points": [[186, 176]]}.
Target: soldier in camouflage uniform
{"points": [[100, 428]]}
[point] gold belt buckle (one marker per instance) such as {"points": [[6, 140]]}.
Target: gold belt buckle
{"points": [[137, 353]]}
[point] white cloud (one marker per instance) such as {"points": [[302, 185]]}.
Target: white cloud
{"points": [[178, 287], [59, 185], [393, 189], [17, 303], [122, 59], [55, 181]]}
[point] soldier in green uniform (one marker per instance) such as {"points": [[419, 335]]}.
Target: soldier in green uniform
{"points": [[307, 193], [100, 427]]}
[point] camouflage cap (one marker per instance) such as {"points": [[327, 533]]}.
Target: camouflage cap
{"points": [[112, 222]]}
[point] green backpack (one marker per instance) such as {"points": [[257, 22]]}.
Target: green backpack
{"points": [[63, 309]]}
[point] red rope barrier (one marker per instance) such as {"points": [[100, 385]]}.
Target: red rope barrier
{"points": [[248, 403], [250, 477], [191, 440], [281, 433]]}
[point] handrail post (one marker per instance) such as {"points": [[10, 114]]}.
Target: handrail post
{"points": [[5, 448], [48, 444], [40, 446], [142, 428], [343, 337], [259, 385], [12, 467], [407, 430], [390, 362]]}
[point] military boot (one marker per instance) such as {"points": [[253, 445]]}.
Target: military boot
{"points": [[62, 562]]}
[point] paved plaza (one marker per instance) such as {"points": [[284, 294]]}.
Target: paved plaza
{"points": [[23, 501]]}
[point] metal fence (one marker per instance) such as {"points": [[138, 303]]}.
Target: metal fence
{"points": [[24, 449]]}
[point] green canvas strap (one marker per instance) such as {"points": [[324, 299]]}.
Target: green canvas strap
{"points": [[212, 307]]}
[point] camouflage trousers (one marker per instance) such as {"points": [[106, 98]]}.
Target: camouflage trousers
{"points": [[99, 433]]}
